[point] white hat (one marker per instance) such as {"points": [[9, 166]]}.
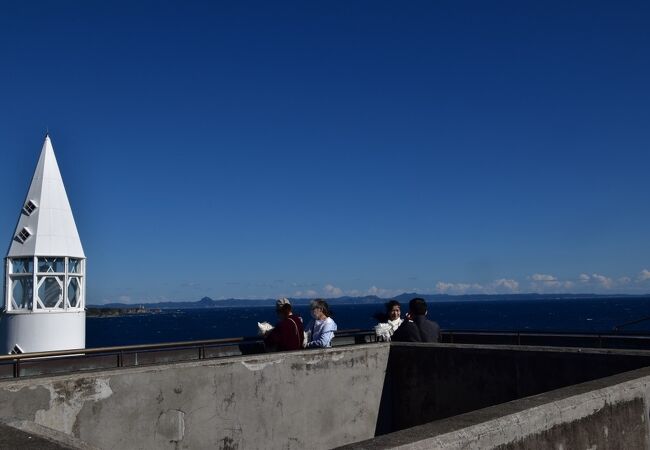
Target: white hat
{"points": [[281, 302]]}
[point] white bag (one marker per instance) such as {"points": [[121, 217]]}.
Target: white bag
{"points": [[383, 331], [263, 328]]}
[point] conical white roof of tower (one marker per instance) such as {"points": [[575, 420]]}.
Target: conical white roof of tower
{"points": [[51, 224]]}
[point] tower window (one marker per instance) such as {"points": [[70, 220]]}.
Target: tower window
{"points": [[16, 350], [29, 207], [23, 235], [51, 265]]}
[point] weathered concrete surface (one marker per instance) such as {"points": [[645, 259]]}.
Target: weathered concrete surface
{"points": [[609, 413], [305, 399], [435, 381], [24, 435]]}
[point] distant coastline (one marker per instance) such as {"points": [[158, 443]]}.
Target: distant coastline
{"points": [[112, 311], [207, 302]]}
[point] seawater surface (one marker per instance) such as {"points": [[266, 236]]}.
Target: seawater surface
{"points": [[562, 315]]}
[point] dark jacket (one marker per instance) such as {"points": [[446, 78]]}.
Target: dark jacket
{"points": [[420, 329], [288, 334]]}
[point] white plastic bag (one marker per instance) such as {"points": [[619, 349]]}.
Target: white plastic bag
{"points": [[263, 328]]}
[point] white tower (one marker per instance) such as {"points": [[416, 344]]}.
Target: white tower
{"points": [[44, 270]]}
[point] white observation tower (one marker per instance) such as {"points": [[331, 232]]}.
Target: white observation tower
{"points": [[44, 270]]}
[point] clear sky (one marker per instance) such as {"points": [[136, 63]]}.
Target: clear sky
{"points": [[258, 149]]}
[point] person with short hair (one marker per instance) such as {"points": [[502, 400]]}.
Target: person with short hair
{"points": [[288, 334], [321, 329], [417, 328]]}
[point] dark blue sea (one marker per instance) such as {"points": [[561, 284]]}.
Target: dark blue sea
{"points": [[562, 315]]}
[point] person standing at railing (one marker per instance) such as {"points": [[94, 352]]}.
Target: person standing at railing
{"points": [[288, 334], [390, 320], [320, 330], [416, 327]]}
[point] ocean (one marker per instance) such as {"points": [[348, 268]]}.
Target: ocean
{"points": [[596, 315]]}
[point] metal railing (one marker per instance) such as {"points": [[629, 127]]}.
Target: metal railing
{"points": [[63, 361], [66, 361], [553, 339]]}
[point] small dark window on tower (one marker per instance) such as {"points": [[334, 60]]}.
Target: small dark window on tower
{"points": [[16, 350], [24, 235], [29, 207]]}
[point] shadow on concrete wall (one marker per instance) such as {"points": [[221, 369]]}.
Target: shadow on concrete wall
{"points": [[427, 382]]}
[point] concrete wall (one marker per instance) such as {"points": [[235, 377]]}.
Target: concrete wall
{"points": [[609, 413], [327, 398], [433, 381], [307, 399]]}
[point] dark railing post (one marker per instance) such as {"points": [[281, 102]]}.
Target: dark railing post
{"points": [[120, 359], [518, 339], [17, 368], [202, 352]]}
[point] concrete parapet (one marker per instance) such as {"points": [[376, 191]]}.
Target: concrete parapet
{"points": [[409, 395], [607, 413], [434, 381], [305, 399]]}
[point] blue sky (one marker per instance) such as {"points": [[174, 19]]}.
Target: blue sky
{"points": [[259, 149]]}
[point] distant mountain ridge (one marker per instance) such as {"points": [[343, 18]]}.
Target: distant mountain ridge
{"points": [[207, 302]]}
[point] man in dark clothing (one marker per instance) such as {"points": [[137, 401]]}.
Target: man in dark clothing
{"points": [[288, 334], [417, 328]]}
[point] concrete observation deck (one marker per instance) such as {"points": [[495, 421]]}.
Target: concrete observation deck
{"points": [[374, 395]]}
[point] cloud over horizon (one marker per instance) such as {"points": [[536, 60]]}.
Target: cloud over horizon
{"points": [[538, 282]]}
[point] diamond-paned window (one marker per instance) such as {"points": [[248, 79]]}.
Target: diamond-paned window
{"points": [[29, 207], [22, 292], [50, 291], [51, 265], [22, 265], [23, 235], [74, 292], [74, 265]]}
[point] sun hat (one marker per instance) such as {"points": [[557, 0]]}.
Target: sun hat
{"points": [[281, 302]]}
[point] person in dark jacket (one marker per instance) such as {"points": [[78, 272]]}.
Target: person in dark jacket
{"points": [[417, 328], [288, 334]]}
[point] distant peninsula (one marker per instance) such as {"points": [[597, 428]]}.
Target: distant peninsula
{"points": [[207, 302]]}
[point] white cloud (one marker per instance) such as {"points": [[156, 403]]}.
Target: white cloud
{"points": [[333, 291], [584, 278], [542, 277], [308, 293], [458, 288], [624, 280], [500, 285], [644, 275], [385, 293], [374, 290], [602, 280], [505, 284]]}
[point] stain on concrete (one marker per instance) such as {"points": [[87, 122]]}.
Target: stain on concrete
{"points": [[228, 401], [67, 398], [170, 425], [21, 401], [257, 366], [228, 443], [624, 429], [233, 441]]}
